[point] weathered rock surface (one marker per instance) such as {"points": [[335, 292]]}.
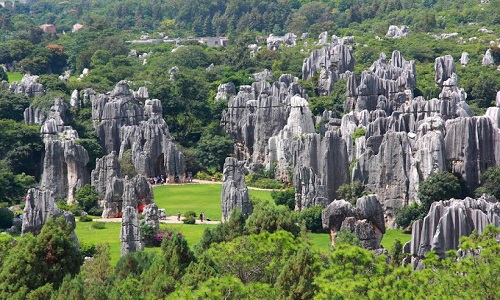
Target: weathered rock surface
{"points": [[28, 86], [449, 220], [397, 32], [40, 206], [130, 234], [257, 113], [366, 220], [464, 59], [234, 190], [332, 62], [107, 168], [488, 59], [151, 216], [124, 123], [225, 91], [386, 86]]}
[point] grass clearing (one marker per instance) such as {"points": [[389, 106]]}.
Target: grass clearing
{"points": [[110, 235], [14, 76], [390, 237], [196, 197]]}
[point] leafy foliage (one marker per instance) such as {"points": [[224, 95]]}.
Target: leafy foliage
{"points": [[490, 183], [312, 218], [285, 197], [439, 186], [87, 197], [352, 191]]}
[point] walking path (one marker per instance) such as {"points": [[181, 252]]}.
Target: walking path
{"points": [[167, 220]]}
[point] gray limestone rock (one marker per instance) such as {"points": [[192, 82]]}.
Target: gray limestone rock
{"points": [[34, 116], [497, 99], [464, 59], [385, 86], [107, 168], [74, 100], [396, 32], [130, 234], [444, 67], [234, 190], [332, 62], [225, 91], [471, 146], [28, 86], [366, 220], [488, 59], [123, 123], [449, 220], [40, 206], [151, 216]]}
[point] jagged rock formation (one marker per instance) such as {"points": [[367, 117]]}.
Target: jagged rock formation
{"points": [[396, 33], [366, 220], [488, 59], [333, 62], [464, 59], [107, 168], [74, 100], [40, 206], [151, 216], [64, 163], [34, 115], [386, 85], [257, 113], [225, 91], [28, 86], [447, 221], [124, 123], [130, 234], [234, 190]]}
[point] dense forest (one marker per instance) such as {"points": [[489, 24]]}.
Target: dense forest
{"points": [[240, 259]]}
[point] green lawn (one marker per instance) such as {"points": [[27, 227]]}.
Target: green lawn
{"points": [[14, 76], [196, 197]]}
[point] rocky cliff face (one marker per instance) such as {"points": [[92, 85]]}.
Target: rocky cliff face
{"points": [[28, 86], [130, 234], [449, 220], [332, 62], [234, 190], [257, 113], [125, 121], [366, 220], [40, 206]]}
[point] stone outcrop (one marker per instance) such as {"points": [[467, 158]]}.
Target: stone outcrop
{"points": [[449, 220], [40, 206], [130, 234], [396, 32], [332, 62], [464, 59], [28, 86], [257, 113], [64, 162], [124, 122], [234, 190], [386, 85], [225, 91], [151, 216], [366, 220], [121, 192], [107, 168], [488, 59]]}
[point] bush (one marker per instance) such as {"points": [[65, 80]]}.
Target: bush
{"points": [[147, 234], [85, 218], [263, 182], [203, 176], [96, 211], [408, 214], [351, 191], [87, 249], [312, 218], [490, 183], [439, 186], [286, 197], [190, 213], [358, 133], [347, 237], [87, 197], [6, 218], [189, 220], [98, 225]]}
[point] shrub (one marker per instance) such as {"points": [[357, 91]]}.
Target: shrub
{"points": [[286, 197], [6, 217], [439, 186], [85, 218], [189, 220], [87, 249], [352, 191], [358, 133], [147, 234], [347, 237], [408, 214], [98, 225], [96, 211], [203, 176], [87, 197], [190, 213], [490, 183], [312, 218]]}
